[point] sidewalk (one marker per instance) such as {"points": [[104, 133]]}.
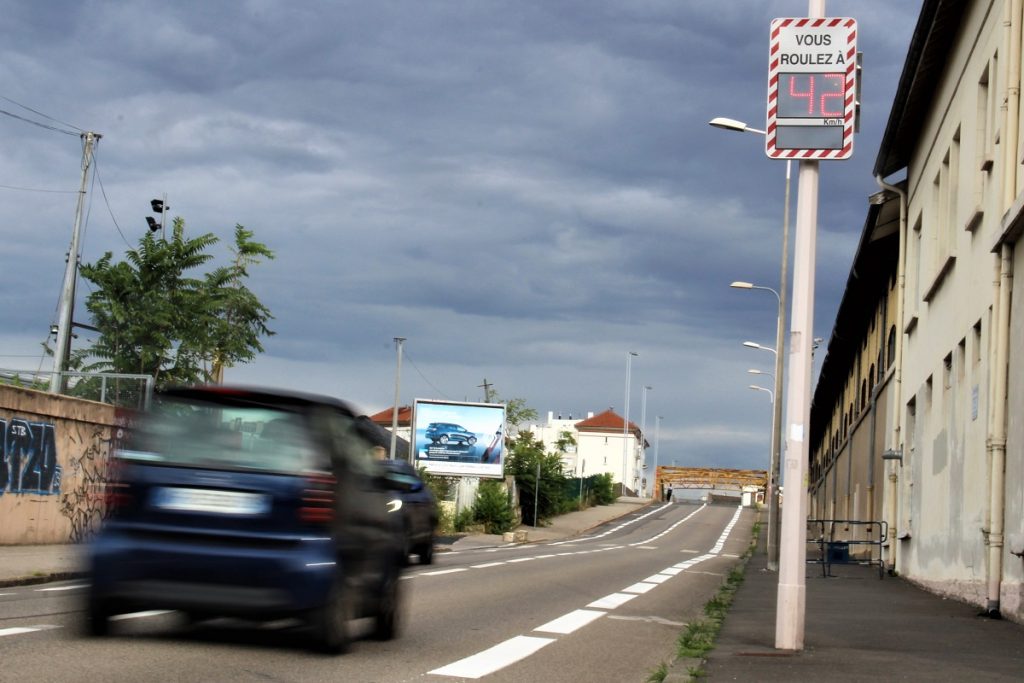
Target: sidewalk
{"points": [[861, 628], [564, 526], [26, 564]]}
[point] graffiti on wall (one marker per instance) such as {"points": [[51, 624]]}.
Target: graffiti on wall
{"points": [[28, 458], [83, 505]]}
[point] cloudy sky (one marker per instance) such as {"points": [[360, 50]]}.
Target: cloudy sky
{"points": [[524, 190]]}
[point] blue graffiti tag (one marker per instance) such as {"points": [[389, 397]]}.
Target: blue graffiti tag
{"points": [[28, 457]]}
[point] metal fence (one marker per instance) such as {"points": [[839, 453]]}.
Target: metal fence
{"points": [[122, 390]]}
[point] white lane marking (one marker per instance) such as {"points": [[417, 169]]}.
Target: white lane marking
{"points": [[444, 571], [495, 658], [658, 578], [522, 559], [17, 630], [485, 565], [63, 588], [612, 601], [567, 623], [652, 620], [520, 647], [620, 526], [140, 615], [640, 588]]}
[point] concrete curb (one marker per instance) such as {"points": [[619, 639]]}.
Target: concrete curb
{"points": [[35, 579]]}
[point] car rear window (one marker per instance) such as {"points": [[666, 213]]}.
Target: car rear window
{"points": [[198, 433]]}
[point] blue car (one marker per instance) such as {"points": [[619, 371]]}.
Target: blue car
{"points": [[249, 503], [418, 508]]}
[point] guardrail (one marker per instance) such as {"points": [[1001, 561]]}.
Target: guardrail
{"points": [[846, 541]]}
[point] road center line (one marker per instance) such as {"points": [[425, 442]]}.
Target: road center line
{"points": [[570, 622], [492, 659]]}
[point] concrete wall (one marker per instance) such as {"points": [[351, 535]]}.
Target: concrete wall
{"points": [[53, 456]]}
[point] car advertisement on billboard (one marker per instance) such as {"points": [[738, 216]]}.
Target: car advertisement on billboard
{"points": [[459, 438]]}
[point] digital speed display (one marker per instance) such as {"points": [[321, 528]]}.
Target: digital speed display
{"points": [[811, 84]]}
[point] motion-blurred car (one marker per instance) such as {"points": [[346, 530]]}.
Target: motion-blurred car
{"points": [[249, 503], [444, 432], [418, 508]]}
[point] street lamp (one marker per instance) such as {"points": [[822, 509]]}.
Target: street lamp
{"points": [[771, 394], [625, 420], [774, 528], [643, 424], [394, 410], [773, 509], [655, 485]]}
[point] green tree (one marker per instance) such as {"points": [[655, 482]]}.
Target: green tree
{"points": [[517, 412], [157, 316], [524, 455], [491, 507]]}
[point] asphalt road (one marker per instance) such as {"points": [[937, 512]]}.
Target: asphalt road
{"points": [[605, 607]]}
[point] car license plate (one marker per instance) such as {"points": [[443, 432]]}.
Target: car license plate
{"points": [[211, 500]]}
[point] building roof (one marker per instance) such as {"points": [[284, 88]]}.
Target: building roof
{"points": [[384, 417], [608, 421], [930, 46]]}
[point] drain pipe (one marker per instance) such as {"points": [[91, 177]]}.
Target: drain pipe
{"points": [[1000, 371], [891, 497], [997, 440]]}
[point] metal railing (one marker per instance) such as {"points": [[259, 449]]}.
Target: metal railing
{"points": [[119, 389], [846, 541]]}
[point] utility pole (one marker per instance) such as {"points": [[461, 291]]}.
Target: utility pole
{"points": [[394, 409], [486, 386], [66, 308]]}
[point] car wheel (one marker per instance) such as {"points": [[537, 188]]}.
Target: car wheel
{"points": [[97, 617], [471, 440], [443, 438], [387, 617], [332, 623], [426, 552]]}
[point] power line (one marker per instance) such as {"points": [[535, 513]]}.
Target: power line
{"points": [[36, 189], [411, 361], [36, 123], [39, 113], [103, 191]]}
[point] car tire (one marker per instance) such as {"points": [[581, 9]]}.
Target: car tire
{"points": [[97, 617], [387, 617], [426, 552], [471, 441], [332, 623], [443, 438]]}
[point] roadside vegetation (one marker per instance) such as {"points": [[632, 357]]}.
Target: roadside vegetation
{"points": [[698, 638], [538, 491]]}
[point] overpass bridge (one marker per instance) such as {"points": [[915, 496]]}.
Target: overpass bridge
{"points": [[709, 478]]}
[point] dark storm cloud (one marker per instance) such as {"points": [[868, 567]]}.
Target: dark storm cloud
{"points": [[525, 190]]}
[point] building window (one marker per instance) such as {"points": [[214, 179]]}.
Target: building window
{"points": [[863, 393], [891, 347]]}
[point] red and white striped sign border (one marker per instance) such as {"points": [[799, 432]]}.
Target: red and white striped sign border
{"points": [[773, 88]]}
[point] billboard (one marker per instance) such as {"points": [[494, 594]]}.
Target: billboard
{"points": [[464, 439]]}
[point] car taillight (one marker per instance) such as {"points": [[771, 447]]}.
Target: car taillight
{"points": [[318, 499], [117, 493]]}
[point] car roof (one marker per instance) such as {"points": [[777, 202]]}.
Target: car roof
{"points": [[260, 396]]}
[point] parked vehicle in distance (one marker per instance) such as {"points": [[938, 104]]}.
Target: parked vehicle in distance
{"points": [[418, 508], [250, 503], [445, 432]]}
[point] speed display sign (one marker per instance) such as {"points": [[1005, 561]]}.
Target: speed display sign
{"points": [[812, 71]]}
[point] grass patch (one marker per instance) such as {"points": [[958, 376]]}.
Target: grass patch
{"points": [[659, 674], [698, 638]]}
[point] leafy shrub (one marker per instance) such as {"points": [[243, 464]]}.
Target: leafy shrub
{"points": [[603, 492], [492, 509], [463, 520]]}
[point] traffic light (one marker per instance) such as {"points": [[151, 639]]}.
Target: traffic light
{"points": [[153, 225], [157, 204]]}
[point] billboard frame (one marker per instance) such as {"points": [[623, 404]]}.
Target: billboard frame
{"points": [[481, 453]]}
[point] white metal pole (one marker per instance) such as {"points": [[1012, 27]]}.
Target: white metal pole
{"points": [[625, 420], [643, 428], [780, 345], [66, 309], [789, 618], [394, 409], [656, 484]]}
